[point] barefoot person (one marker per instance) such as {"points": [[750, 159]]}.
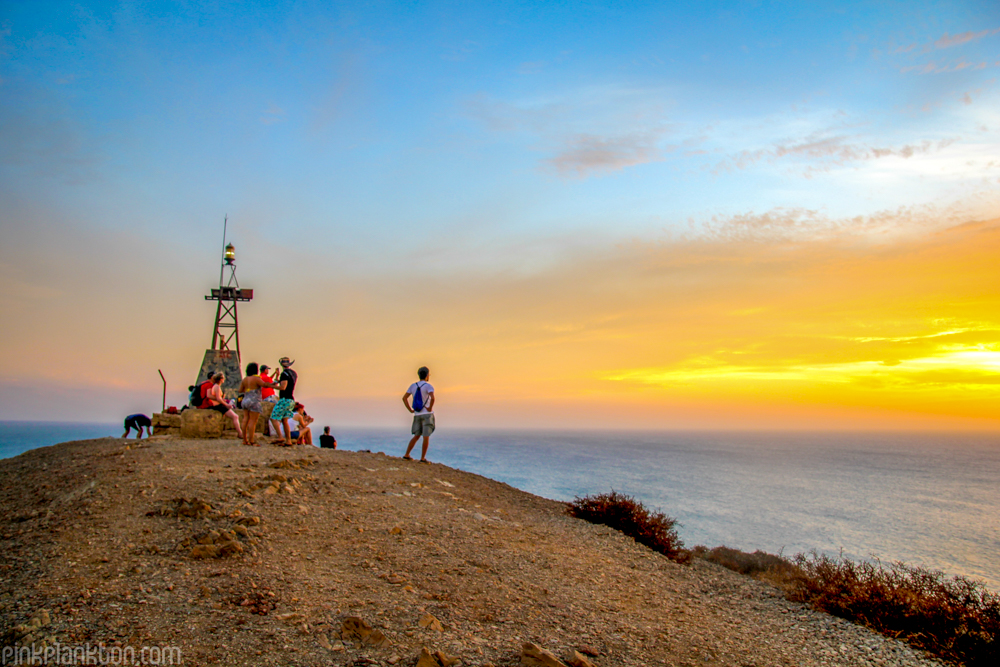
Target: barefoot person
{"points": [[284, 409], [137, 422], [423, 412], [214, 400], [251, 388], [268, 395], [302, 433]]}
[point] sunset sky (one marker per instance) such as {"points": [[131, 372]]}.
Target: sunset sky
{"points": [[579, 215]]}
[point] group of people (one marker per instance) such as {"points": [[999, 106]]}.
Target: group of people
{"points": [[259, 387], [256, 389]]}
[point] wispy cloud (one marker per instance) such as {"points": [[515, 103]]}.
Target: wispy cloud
{"points": [[274, 114], [796, 224], [972, 62], [586, 154], [459, 51], [531, 67], [48, 140], [581, 131], [934, 68], [538, 115], [340, 90], [824, 152], [948, 41], [941, 369], [5, 32]]}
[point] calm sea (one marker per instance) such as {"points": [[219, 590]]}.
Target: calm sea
{"points": [[925, 499]]}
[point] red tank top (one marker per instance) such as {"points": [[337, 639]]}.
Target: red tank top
{"points": [[266, 391]]}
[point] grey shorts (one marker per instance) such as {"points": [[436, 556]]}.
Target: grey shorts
{"points": [[423, 425]]}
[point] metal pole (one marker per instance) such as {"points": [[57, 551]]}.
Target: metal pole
{"points": [[236, 331], [216, 334], [222, 268], [164, 389]]}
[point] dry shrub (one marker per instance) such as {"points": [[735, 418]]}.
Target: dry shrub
{"points": [[616, 510], [955, 618], [759, 564]]}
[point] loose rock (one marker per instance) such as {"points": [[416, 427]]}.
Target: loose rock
{"points": [[533, 655], [429, 621]]}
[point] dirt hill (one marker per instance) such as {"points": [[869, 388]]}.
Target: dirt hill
{"points": [[299, 556]]}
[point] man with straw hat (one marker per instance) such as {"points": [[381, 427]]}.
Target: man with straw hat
{"points": [[285, 407]]}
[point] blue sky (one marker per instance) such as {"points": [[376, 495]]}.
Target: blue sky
{"points": [[359, 142], [426, 115]]}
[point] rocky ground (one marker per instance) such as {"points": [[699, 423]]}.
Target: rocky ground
{"points": [[300, 556]]}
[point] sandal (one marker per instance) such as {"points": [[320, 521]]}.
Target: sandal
{"points": [[407, 458]]}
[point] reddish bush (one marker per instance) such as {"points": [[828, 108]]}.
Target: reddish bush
{"points": [[956, 618], [759, 564], [616, 510]]}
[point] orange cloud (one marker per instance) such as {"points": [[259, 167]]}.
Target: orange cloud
{"points": [[830, 332], [774, 321]]}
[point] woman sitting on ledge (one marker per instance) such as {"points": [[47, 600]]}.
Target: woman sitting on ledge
{"points": [[214, 400], [302, 434]]}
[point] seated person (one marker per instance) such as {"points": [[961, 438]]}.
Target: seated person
{"points": [[302, 433], [137, 422], [214, 400], [327, 441]]}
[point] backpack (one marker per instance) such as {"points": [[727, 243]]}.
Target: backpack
{"points": [[418, 399], [199, 393]]}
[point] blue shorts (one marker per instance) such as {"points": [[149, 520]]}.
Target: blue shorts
{"points": [[283, 409]]}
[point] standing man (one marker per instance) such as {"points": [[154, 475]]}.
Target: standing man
{"points": [[285, 407], [268, 395], [423, 412]]}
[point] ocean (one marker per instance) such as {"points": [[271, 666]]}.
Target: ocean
{"points": [[926, 499]]}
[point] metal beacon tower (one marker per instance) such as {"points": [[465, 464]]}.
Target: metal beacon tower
{"points": [[225, 352]]}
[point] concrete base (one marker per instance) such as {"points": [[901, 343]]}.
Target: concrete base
{"points": [[261, 420], [202, 424], [264, 416], [227, 362], [193, 423], [166, 424]]}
